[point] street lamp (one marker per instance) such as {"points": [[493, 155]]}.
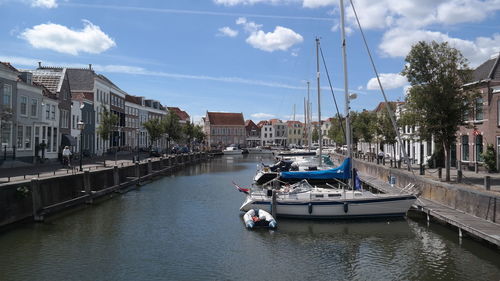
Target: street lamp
{"points": [[80, 126]]}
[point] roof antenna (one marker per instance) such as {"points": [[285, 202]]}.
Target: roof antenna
{"points": [[39, 64]]}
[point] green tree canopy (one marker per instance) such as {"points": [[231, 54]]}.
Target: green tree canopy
{"points": [[335, 132], [436, 73], [315, 134], [154, 128], [363, 126], [172, 127], [108, 122]]}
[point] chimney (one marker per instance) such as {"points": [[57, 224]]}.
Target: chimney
{"points": [[39, 64], [90, 66]]}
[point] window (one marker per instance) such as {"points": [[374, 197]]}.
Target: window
{"points": [[498, 112], [54, 140], [479, 148], [23, 106], [7, 95], [34, 107], [465, 148], [64, 118], [19, 143], [47, 111], [49, 139], [6, 135], [479, 109], [53, 112], [27, 137]]}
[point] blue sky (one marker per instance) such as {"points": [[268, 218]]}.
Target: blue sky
{"points": [[250, 56]]}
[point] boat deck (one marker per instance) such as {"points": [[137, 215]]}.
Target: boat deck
{"points": [[475, 226]]}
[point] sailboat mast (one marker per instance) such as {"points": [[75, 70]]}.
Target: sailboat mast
{"points": [[319, 102], [346, 92], [309, 135]]}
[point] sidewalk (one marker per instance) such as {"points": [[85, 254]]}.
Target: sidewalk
{"points": [[469, 178], [44, 170]]}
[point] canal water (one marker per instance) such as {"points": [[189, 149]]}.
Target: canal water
{"points": [[187, 227]]}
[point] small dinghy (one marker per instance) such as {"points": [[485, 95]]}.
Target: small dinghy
{"points": [[259, 218]]}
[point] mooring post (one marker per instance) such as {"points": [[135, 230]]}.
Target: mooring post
{"points": [[86, 187], [116, 176], [150, 167], [36, 195], [487, 182], [440, 173], [459, 176], [399, 164], [273, 204], [161, 162], [422, 169]]}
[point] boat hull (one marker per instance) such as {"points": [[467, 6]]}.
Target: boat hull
{"points": [[389, 206]]}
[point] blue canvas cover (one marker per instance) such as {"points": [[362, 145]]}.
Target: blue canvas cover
{"points": [[341, 172]]}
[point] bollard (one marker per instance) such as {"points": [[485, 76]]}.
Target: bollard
{"points": [[440, 172], [487, 182], [150, 167], [459, 176], [86, 187], [422, 169], [476, 167], [383, 161], [399, 164], [116, 176], [138, 172], [36, 197], [391, 163]]}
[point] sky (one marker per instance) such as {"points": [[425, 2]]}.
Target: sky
{"points": [[249, 56]]}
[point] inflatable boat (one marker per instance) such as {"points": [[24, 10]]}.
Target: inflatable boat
{"points": [[259, 218]]}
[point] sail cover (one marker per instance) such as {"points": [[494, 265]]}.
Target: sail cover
{"points": [[341, 172]]}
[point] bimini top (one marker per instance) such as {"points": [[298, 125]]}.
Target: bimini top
{"points": [[341, 172]]}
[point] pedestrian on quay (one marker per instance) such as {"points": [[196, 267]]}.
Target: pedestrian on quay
{"points": [[66, 156]]}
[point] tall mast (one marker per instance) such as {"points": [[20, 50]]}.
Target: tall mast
{"points": [[309, 136], [319, 102], [346, 92]]}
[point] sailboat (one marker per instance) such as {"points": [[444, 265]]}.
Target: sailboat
{"points": [[304, 200]]}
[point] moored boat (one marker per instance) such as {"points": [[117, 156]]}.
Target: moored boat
{"points": [[232, 150], [259, 218]]}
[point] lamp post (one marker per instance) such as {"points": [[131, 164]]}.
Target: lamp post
{"points": [[80, 127]]}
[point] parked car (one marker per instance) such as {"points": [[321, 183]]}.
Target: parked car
{"points": [[155, 152]]}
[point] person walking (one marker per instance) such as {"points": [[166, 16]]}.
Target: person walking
{"points": [[66, 156]]}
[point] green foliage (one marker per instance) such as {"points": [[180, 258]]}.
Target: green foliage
{"points": [[154, 128], [172, 127], [107, 123], [198, 134], [364, 126], [335, 132], [384, 127], [437, 158], [490, 159], [436, 73], [188, 131], [315, 135]]}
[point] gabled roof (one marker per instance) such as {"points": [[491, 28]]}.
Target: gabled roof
{"points": [[250, 124], [81, 79], [263, 123], [8, 66], [291, 123], [223, 118], [133, 99], [51, 78], [488, 70], [180, 113], [381, 105]]}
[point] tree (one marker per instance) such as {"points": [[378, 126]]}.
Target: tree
{"points": [[154, 128], [336, 133], [490, 158], [436, 73], [188, 131], [107, 123], [315, 135], [198, 134], [363, 126], [385, 129], [172, 128]]}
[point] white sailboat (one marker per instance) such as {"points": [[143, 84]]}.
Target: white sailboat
{"points": [[303, 200]]}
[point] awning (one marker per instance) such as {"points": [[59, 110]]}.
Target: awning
{"points": [[68, 140]]}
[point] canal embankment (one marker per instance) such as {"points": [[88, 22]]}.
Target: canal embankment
{"points": [[38, 197], [472, 211]]}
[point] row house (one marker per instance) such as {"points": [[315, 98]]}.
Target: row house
{"points": [[133, 124], [183, 116], [280, 132], [223, 129], [155, 110], [326, 125], [482, 126], [266, 132], [252, 134], [295, 136], [55, 81]]}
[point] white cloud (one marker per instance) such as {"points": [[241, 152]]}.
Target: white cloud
{"points": [[250, 2], [398, 42], [44, 3], [388, 80], [249, 26], [281, 38], [262, 116], [61, 39], [227, 31], [318, 3]]}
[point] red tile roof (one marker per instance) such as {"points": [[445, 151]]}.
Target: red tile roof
{"points": [[180, 113], [228, 119]]}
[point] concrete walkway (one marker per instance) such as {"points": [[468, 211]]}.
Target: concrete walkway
{"points": [[44, 170]]}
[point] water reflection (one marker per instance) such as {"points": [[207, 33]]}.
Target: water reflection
{"points": [[187, 227]]}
